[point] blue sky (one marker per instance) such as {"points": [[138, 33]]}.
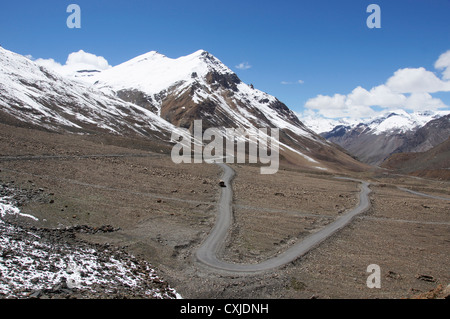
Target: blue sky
{"points": [[325, 44]]}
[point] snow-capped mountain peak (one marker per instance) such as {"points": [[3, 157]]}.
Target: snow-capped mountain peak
{"points": [[154, 72], [400, 121], [390, 122], [321, 124], [375, 139], [198, 86]]}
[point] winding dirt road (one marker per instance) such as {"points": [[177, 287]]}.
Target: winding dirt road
{"points": [[208, 251], [423, 194]]}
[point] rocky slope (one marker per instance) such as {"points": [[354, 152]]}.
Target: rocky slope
{"points": [[53, 263], [426, 137], [33, 96], [200, 86], [434, 163]]}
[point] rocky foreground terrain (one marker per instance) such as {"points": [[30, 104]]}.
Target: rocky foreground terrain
{"points": [[53, 263]]}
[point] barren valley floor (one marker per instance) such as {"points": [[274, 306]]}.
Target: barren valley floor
{"points": [[162, 212]]}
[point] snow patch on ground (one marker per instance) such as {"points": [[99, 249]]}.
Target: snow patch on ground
{"points": [[30, 263], [6, 208]]}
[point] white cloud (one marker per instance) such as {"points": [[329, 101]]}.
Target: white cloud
{"points": [[416, 81], [289, 83], [338, 106], [51, 64], [89, 60], [408, 89], [326, 102], [380, 95], [423, 101], [443, 63], [243, 66], [76, 61]]}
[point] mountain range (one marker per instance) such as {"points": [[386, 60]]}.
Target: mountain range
{"points": [[374, 140], [152, 96]]}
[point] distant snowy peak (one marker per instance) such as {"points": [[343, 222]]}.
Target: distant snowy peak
{"points": [[372, 141], [400, 121], [397, 121], [321, 125]]}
